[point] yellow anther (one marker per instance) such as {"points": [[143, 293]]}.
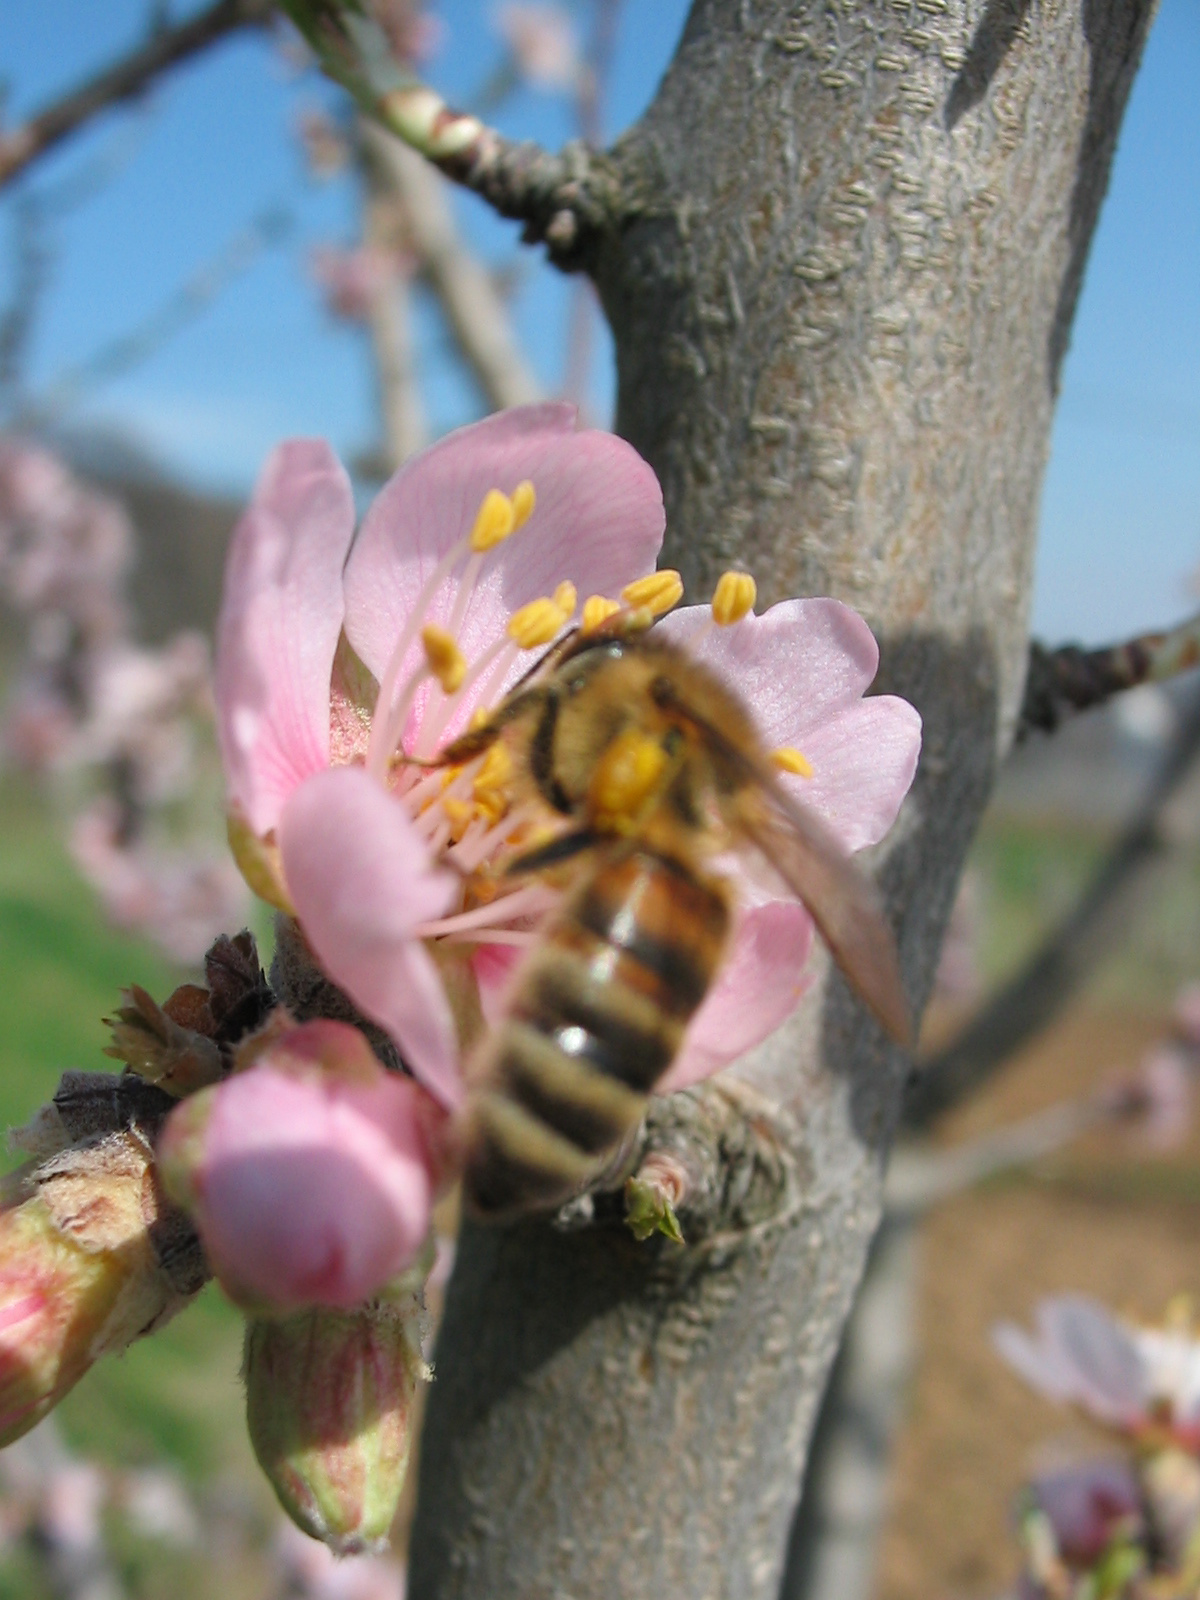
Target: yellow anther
{"points": [[446, 660], [491, 805], [496, 771], [656, 593], [626, 776], [596, 612], [495, 520], [733, 597], [789, 760], [523, 502], [535, 624], [459, 814], [480, 718], [564, 599]]}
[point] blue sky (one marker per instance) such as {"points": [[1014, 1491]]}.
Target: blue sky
{"points": [[213, 147]]}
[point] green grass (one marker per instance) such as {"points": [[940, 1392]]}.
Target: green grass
{"points": [[1032, 874]]}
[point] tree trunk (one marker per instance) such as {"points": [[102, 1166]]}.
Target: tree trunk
{"points": [[852, 239]]}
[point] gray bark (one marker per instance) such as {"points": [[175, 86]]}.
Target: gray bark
{"points": [[850, 240]]}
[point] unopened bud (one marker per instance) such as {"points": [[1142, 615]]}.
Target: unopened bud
{"points": [[651, 1195], [330, 1398], [90, 1259]]}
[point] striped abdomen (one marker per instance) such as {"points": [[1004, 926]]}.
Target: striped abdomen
{"points": [[597, 1018]]}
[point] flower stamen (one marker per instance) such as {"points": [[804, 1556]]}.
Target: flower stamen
{"points": [[657, 592], [597, 609], [498, 517], [733, 598], [537, 623], [446, 660], [789, 760]]}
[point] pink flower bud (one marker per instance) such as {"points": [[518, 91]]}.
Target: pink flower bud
{"points": [[329, 1404], [86, 1267], [310, 1176], [1088, 1505]]}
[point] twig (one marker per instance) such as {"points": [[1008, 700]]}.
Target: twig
{"points": [[391, 337], [1029, 1001], [31, 262], [473, 308], [565, 200], [919, 1178], [1069, 679], [122, 80]]}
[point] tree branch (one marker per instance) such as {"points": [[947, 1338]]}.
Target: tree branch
{"points": [[566, 200], [1067, 680], [1029, 1001], [123, 80], [473, 308]]}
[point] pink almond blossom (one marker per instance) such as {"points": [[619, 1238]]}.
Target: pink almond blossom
{"points": [[315, 1130], [380, 860], [1130, 1378]]}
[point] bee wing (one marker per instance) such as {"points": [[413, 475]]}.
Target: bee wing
{"points": [[807, 855], [842, 901]]}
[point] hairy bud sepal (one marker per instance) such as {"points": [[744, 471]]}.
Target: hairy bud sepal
{"points": [[330, 1398]]}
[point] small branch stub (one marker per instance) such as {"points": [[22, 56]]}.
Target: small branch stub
{"points": [[565, 200]]}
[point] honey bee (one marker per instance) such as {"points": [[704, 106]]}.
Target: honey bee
{"points": [[656, 767]]}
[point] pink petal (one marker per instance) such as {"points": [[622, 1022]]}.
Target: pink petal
{"points": [[361, 879], [802, 668], [281, 614], [1101, 1353], [598, 522], [757, 989], [494, 966], [1085, 1503], [1042, 1368], [314, 1191]]}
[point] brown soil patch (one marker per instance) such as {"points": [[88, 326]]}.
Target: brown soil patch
{"points": [[1109, 1219]]}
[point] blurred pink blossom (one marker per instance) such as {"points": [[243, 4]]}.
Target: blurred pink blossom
{"points": [[1157, 1097], [1127, 1377], [353, 280], [543, 43], [1185, 1015], [315, 1573], [181, 899], [325, 145], [90, 703]]}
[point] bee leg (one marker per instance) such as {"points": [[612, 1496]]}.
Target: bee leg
{"points": [[563, 848], [476, 740]]}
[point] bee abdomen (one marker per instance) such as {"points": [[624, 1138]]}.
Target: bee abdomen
{"points": [[597, 1018]]}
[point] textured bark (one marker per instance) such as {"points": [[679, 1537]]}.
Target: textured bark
{"points": [[850, 242]]}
